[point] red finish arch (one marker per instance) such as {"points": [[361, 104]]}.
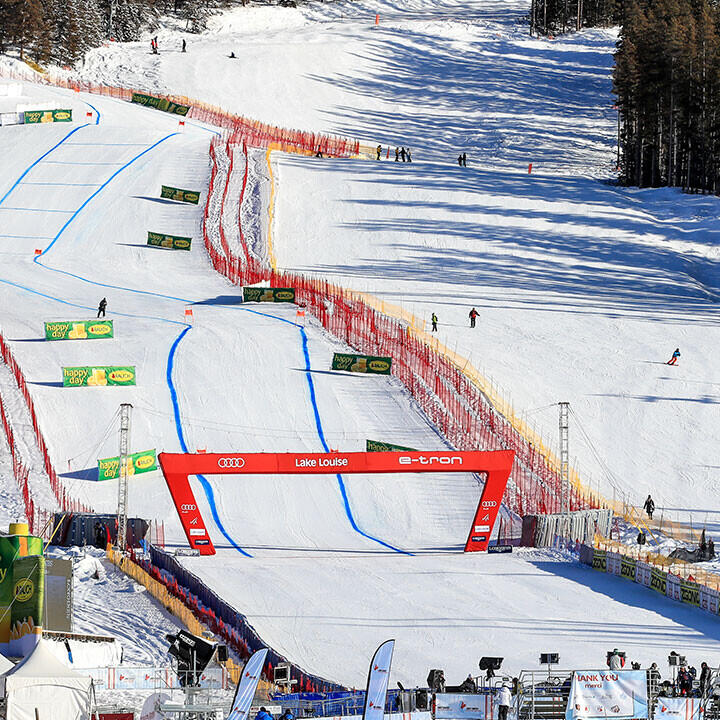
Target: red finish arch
{"points": [[177, 467]]}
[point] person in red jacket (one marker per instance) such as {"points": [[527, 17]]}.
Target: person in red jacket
{"points": [[473, 314]]}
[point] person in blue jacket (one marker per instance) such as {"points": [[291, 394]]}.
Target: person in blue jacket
{"points": [[263, 714], [673, 360]]}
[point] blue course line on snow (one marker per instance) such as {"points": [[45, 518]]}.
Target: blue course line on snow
{"points": [[85, 307], [33, 164], [63, 184], [99, 190], [173, 394], [321, 434], [97, 112], [21, 209], [206, 486], [69, 162], [200, 127]]}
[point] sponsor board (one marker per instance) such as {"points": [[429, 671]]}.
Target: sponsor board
{"points": [[79, 330], [658, 581], [100, 376], [160, 104], [456, 706], [599, 560], [137, 463], [172, 193], [690, 592], [627, 569], [32, 117], [377, 446], [370, 364], [265, 294], [619, 694], [173, 242], [679, 709], [28, 601], [500, 549]]}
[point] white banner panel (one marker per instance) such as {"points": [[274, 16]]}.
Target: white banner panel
{"points": [[672, 588], [678, 709], [247, 685], [378, 679], [709, 599], [457, 706], [606, 694], [613, 563]]}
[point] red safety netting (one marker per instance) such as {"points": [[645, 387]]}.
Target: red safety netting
{"points": [[458, 407], [64, 500], [254, 132]]}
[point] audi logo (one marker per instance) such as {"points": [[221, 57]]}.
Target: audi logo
{"points": [[188, 508], [489, 503], [231, 463]]}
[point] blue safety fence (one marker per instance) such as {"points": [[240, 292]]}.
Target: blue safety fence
{"points": [[222, 619]]}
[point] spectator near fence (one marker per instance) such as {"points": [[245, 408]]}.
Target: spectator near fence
{"points": [[504, 700]]}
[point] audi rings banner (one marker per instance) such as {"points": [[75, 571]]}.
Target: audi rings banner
{"points": [[177, 467]]}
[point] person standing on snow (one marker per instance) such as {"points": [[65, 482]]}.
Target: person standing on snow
{"points": [[649, 506], [184, 45], [673, 360], [460, 160], [504, 700], [616, 661], [472, 315], [397, 154], [705, 677], [464, 159], [433, 320], [402, 154], [409, 157], [378, 150], [101, 307]]}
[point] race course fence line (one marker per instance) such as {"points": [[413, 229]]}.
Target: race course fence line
{"points": [[64, 501], [447, 388], [189, 599], [240, 128]]}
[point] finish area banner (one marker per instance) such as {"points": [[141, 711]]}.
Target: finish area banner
{"points": [[679, 709], [617, 694], [177, 467]]}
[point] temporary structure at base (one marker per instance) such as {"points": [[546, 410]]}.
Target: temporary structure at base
{"points": [[42, 688], [617, 694]]}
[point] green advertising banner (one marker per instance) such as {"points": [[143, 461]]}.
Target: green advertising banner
{"points": [[261, 294], [139, 462], [79, 330], [627, 569], [26, 614], [171, 193], [690, 592], [599, 560], [658, 581], [32, 117], [12, 547], [377, 446], [362, 363], [160, 104], [173, 242], [98, 375]]}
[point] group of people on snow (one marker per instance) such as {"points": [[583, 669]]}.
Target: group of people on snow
{"points": [[154, 45], [434, 319]]}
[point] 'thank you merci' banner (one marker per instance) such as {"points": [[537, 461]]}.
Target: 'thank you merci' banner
{"points": [[617, 694]]}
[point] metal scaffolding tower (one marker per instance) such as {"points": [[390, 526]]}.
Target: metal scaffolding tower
{"points": [[125, 410], [564, 458]]}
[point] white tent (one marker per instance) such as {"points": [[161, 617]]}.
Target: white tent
{"points": [[42, 683], [5, 664]]}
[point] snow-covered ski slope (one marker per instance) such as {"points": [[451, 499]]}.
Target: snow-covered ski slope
{"points": [[584, 289], [324, 585]]}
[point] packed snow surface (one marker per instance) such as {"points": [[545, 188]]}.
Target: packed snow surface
{"points": [[583, 291]]}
